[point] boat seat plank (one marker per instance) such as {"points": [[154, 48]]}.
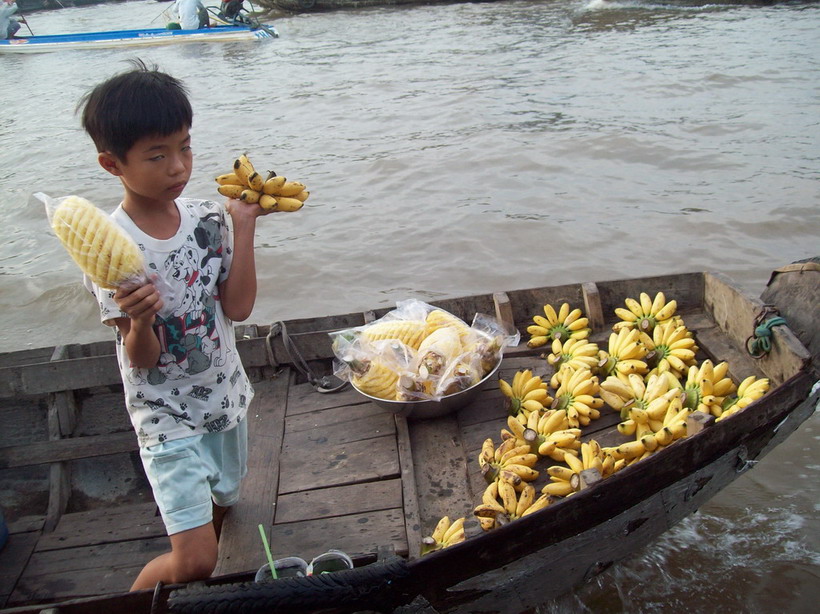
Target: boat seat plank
{"points": [[357, 534], [101, 526], [304, 398], [317, 463], [240, 538], [339, 501], [41, 452]]}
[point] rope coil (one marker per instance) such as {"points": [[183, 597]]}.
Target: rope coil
{"points": [[321, 384], [759, 343]]}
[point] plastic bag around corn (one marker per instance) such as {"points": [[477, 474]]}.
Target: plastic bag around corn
{"points": [[96, 243]]}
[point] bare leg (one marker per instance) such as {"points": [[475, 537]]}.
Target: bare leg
{"points": [[219, 515], [193, 557]]}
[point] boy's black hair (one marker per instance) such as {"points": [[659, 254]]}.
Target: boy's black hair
{"points": [[135, 104]]}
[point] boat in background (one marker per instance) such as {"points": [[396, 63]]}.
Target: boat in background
{"points": [[133, 38]]}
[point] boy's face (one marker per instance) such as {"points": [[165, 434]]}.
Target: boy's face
{"points": [[156, 168]]}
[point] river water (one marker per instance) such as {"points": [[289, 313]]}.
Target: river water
{"points": [[468, 148]]}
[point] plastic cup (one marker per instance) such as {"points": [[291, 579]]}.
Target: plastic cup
{"points": [[288, 567]]}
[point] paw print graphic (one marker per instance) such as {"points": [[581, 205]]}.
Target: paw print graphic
{"points": [[206, 415], [154, 420], [220, 378], [225, 402], [140, 395], [175, 392], [162, 437]]}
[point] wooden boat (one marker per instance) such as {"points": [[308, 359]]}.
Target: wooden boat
{"points": [[332, 470], [134, 38]]}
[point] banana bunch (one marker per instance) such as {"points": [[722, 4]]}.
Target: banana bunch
{"points": [[373, 377], [645, 314], [564, 324], [445, 534], [273, 193], [577, 395], [707, 386], [748, 391], [560, 444], [566, 480], [534, 428], [509, 461], [624, 355], [103, 250], [671, 347], [672, 428], [409, 332], [574, 353], [651, 396], [502, 502], [527, 393]]}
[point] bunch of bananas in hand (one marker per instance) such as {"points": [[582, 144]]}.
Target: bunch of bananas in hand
{"points": [[273, 193]]}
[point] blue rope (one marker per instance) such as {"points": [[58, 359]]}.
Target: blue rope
{"points": [[761, 342]]}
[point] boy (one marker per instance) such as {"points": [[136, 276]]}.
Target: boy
{"points": [[186, 390]]}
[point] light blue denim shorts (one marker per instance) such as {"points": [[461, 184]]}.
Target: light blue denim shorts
{"points": [[188, 474]]}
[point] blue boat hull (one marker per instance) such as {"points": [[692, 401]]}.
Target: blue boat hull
{"points": [[152, 36]]}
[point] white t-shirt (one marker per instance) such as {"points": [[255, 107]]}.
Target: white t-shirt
{"points": [[189, 13], [199, 384]]}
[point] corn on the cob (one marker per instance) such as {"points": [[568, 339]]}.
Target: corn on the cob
{"points": [[96, 243]]}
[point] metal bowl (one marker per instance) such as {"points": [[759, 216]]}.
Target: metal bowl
{"points": [[419, 410]]}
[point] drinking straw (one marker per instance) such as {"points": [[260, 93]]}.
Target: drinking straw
{"points": [[267, 552]]}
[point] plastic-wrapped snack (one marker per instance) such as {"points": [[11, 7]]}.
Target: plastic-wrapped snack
{"points": [[462, 373], [438, 318], [103, 250], [488, 341], [437, 350]]}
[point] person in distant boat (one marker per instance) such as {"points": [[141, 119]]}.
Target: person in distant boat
{"points": [[192, 14], [186, 390], [8, 24], [231, 8]]}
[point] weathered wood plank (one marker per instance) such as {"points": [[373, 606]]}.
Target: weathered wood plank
{"points": [[409, 492], [240, 540], [13, 560], [339, 501], [592, 306], [304, 398], [440, 466], [357, 534], [67, 449], [102, 526], [340, 424], [319, 464]]}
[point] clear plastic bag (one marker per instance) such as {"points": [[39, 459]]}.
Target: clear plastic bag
{"points": [[424, 352], [102, 250]]}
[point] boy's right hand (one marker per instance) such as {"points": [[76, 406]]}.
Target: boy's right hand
{"points": [[140, 303]]}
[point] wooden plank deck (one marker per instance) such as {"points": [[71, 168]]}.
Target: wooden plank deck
{"points": [[324, 471]]}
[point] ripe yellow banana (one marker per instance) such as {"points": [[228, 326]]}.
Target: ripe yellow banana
{"points": [[243, 168], [228, 179], [231, 190], [273, 184]]}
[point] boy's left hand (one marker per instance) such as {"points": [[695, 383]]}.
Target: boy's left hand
{"points": [[239, 209]]}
